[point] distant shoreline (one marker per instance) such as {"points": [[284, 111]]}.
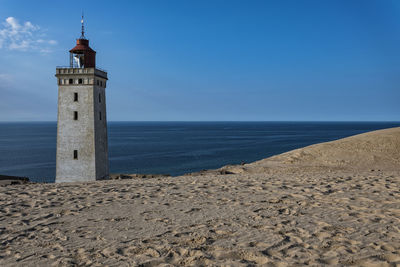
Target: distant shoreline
{"points": [[255, 121]]}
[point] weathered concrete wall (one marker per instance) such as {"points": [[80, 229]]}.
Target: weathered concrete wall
{"points": [[87, 134], [101, 139]]}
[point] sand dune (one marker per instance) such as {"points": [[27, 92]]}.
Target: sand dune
{"points": [[373, 150], [377, 150], [336, 203]]}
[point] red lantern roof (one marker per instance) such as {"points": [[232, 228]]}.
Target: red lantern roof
{"points": [[82, 45]]}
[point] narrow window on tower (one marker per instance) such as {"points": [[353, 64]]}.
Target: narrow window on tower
{"points": [[75, 154], [100, 115], [71, 81], [97, 82], [80, 81], [76, 97], [99, 98], [76, 115], [101, 83]]}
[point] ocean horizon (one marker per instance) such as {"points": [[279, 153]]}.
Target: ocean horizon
{"points": [[174, 147]]}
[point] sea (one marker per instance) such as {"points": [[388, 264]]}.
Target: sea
{"points": [[29, 148]]}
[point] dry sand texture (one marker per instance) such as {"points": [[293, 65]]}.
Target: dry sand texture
{"points": [[335, 203]]}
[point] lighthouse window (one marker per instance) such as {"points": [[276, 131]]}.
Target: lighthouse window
{"points": [[97, 82], [75, 154], [99, 98], [75, 97], [101, 83], [100, 115], [76, 115], [71, 81], [80, 81]]}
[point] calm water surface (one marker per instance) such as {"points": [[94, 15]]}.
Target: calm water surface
{"points": [[29, 149]]}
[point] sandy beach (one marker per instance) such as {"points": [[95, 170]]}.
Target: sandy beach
{"points": [[335, 203]]}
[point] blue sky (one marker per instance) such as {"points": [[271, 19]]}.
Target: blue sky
{"points": [[209, 60]]}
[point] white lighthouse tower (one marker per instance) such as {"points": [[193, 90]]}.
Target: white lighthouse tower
{"points": [[82, 146]]}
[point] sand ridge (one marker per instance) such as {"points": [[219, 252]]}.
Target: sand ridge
{"points": [[254, 214], [373, 150]]}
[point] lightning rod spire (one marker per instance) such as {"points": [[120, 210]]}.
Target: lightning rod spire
{"points": [[83, 28]]}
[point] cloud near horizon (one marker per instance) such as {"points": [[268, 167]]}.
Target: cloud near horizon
{"points": [[24, 37]]}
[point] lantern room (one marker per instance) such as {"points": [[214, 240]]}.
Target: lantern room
{"points": [[82, 56]]}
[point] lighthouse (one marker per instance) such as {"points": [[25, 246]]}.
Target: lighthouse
{"points": [[82, 146]]}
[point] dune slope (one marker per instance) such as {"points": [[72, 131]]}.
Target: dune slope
{"points": [[373, 150]]}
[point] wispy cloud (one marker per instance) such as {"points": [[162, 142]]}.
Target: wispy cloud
{"points": [[24, 37], [5, 79]]}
